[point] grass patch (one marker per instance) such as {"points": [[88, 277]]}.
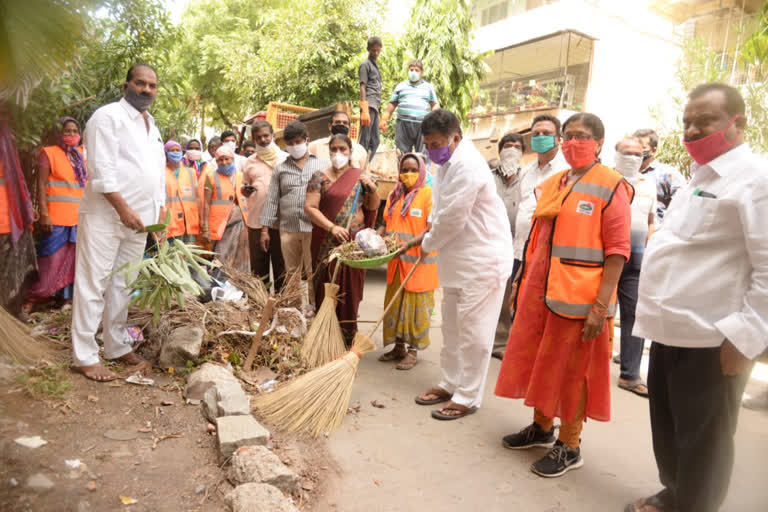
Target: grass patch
{"points": [[49, 382]]}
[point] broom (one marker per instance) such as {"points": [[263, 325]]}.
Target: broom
{"points": [[324, 342], [17, 345], [317, 401]]}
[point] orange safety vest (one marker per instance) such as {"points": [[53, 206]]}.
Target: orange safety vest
{"points": [[5, 218], [181, 200], [576, 252], [424, 279], [223, 198], [63, 191]]}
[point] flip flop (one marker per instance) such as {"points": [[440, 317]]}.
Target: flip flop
{"points": [[391, 356], [83, 370], [442, 396], [448, 417], [634, 387]]}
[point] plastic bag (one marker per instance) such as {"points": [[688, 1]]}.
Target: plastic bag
{"points": [[371, 243]]}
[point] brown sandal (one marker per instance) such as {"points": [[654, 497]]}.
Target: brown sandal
{"points": [[441, 394], [394, 354], [462, 410], [408, 362]]}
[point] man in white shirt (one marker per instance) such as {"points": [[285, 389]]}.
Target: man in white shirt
{"points": [[668, 179], [339, 124], [470, 230], [704, 301], [628, 158], [507, 179], [125, 192], [545, 141], [229, 138]]}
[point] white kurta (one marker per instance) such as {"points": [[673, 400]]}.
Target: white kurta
{"points": [[122, 157], [471, 232]]}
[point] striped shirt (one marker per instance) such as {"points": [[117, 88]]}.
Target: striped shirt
{"points": [[287, 191], [414, 101]]}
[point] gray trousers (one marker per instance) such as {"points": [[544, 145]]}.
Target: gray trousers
{"points": [[408, 137]]}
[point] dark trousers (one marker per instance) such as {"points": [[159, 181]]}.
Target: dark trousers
{"points": [[505, 317], [694, 410], [408, 137], [631, 352], [369, 135], [260, 260]]}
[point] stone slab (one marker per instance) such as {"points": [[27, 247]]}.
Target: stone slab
{"points": [[236, 431], [258, 464], [258, 498]]}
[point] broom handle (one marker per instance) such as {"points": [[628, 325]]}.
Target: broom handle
{"points": [[265, 316], [395, 296], [349, 224]]}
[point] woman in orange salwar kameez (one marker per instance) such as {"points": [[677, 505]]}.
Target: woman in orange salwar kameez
{"points": [[558, 353]]}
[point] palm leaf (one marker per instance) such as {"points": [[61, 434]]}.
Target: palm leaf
{"points": [[39, 39]]}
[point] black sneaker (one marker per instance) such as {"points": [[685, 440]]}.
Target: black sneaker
{"points": [[558, 461], [530, 436]]}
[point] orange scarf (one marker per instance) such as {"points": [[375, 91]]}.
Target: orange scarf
{"points": [[550, 196], [269, 156]]}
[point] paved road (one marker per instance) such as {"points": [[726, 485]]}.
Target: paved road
{"points": [[400, 459]]}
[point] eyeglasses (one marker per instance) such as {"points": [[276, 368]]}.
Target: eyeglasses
{"points": [[577, 136]]}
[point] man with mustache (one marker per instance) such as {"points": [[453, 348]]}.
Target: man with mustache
{"points": [[703, 299]]}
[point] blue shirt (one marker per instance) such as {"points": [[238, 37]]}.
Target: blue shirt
{"points": [[414, 101]]}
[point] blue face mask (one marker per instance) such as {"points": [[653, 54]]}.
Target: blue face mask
{"points": [[542, 143], [174, 156], [227, 170]]}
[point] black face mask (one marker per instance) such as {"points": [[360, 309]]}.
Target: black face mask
{"points": [[646, 155], [337, 129]]}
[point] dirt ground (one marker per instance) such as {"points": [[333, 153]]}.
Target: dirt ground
{"points": [[171, 474]]}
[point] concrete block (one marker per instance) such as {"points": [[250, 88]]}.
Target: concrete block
{"points": [[237, 431], [257, 464]]}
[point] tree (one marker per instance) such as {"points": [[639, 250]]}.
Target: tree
{"points": [[439, 33], [253, 52]]}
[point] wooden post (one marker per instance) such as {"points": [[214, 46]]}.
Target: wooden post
{"points": [[266, 316]]}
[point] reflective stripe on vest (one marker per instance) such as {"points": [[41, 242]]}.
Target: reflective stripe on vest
{"points": [[577, 253], [63, 199], [404, 237], [185, 219], [409, 258], [63, 191], [219, 194]]}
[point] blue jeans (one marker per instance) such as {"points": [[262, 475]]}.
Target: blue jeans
{"points": [[631, 352]]}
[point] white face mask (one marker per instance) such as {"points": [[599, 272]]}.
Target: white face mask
{"points": [[193, 155], [231, 144], [628, 165], [339, 160], [262, 148], [297, 151], [510, 161]]}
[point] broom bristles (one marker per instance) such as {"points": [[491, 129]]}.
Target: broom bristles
{"points": [[317, 401], [324, 342], [17, 344]]}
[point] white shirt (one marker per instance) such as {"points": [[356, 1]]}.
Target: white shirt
{"points": [[643, 204], [531, 177], [705, 272], [470, 229], [123, 157]]}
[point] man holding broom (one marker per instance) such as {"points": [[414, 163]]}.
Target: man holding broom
{"points": [[471, 232]]}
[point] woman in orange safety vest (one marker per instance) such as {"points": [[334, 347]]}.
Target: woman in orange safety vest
{"points": [[181, 197], [406, 213], [61, 180], [224, 211], [558, 353]]}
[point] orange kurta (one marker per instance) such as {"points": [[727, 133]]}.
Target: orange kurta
{"points": [[546, 361]]}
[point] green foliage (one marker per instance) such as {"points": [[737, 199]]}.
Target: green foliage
{"points": [[119, 34], [48, 382], [253, 52], [439, 33]]}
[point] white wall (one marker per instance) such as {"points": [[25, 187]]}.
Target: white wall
{"points": [[635, 56]]}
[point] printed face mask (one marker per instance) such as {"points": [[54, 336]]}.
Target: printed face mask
{"points": [[510, 161], [706, 149], [542, 143]]}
